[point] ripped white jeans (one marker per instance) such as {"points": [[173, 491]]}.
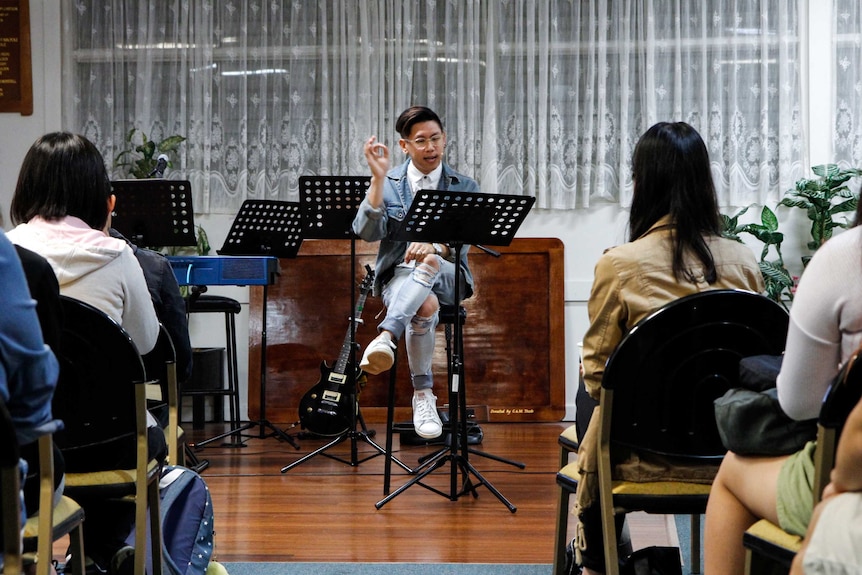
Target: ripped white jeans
{"points": [[409, 287]]}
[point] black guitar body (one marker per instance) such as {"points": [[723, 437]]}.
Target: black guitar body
{"points": [[325, 408]]}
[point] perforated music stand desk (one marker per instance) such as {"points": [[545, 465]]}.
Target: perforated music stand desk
{"points": [[154, 212], [264, 228], [459, 218], [329, 205]]}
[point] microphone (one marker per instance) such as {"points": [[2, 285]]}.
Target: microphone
{"points": [[161, 165]]}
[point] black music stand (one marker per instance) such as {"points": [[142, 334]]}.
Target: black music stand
{"points": [[263, 228], [157, 213], [329, 205], [459, 218], [154, 212]]}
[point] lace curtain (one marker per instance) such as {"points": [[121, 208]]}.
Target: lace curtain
{"points": [[847, 106], [538, 97]]}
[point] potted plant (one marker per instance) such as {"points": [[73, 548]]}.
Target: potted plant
{"points": [[823, 198], [779, 283], [139, 159]]}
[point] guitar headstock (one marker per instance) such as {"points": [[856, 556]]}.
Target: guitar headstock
{"points": [[368, 281]]}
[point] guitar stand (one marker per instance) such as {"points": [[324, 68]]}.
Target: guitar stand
{"points": [[459, 218], [354, 436], [345, 367], [329, 205]]}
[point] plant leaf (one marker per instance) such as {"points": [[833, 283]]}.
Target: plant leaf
{"points": [[768, 218]]}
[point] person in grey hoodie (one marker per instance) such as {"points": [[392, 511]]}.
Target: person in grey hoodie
{"points": [[62, 210]]}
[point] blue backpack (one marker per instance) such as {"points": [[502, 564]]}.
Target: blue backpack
{"points": [[187, 522]]}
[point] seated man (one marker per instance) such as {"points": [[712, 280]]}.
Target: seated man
{"points": [[413, 278]]}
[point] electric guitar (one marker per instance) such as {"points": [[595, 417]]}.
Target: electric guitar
{"points": [[325, 409]]}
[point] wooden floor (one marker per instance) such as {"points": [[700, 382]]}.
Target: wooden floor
{"points": [[324, 510]]}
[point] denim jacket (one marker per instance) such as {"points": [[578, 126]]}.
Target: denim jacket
{"points": [[373, 225]]}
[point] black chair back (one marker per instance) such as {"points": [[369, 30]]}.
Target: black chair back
{"points": [[670, 367], [10, 510], [9, 452], [843, 394], [158, 361], [95, 395]]}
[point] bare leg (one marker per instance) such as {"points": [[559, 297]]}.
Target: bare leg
{"points": [[743, 492]]}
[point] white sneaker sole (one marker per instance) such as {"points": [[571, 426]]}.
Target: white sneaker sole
{"points": [[428, 435], [376, 362]]}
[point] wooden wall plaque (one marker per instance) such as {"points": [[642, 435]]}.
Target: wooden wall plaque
{"points": [[514, 354], [16, 75]]}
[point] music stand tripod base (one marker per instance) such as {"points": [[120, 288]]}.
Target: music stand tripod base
{"points": [[329, 205], [458, 219], [264, 228]]}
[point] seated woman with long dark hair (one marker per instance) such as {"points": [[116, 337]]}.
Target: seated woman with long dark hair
{"points": [[676, 249]]}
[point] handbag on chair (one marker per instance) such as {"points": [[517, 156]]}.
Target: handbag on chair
{"points": [[749, 418]]}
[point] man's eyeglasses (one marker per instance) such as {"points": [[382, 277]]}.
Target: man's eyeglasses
{"points": [[422, 143]]}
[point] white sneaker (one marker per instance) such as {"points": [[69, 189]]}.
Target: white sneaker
{"points": [[379, 355], [425, 418]]}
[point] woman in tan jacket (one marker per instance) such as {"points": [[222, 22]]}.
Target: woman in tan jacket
{"points": [[676, 250]]}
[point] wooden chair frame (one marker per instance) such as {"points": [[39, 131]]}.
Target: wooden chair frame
{"points": [[10, 478], [140, 484], [765, 542], [686, 353]]}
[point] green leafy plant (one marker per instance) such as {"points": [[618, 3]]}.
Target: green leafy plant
{"points": [[201, 248], [140, 157], [779, 283], [823, 198], [139, 160]]}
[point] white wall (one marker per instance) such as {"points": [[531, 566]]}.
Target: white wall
{"points": [[585, 233], [18, 132]]}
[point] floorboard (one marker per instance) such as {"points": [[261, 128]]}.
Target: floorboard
{"points": [[324, 509]]}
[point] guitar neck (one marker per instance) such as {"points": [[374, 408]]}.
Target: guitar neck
{"points": [[346, 347]]}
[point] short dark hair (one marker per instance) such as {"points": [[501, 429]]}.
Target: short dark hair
{"points": [[63, 174], [415, 115], [672, 176]]}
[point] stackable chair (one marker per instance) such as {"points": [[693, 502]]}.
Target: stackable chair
{"points": [[768, 548], [10, 494], [102, 394], [53, 521], [657, 399], [163, 394]]}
